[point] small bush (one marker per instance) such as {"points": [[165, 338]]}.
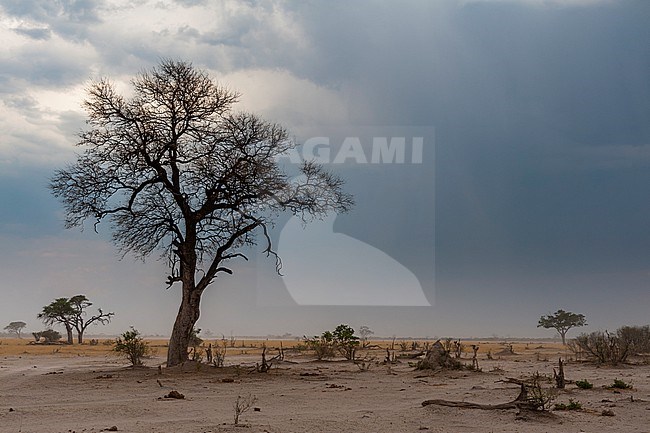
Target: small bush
{"points": [[573, 405], [342, 339], [619, 384], [49, 335], [613, 348], [322, 346], [584, 384], [345, 341], [537, 397], [132, 346], [242, 405]]}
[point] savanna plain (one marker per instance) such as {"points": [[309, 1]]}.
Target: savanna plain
{"points": [[88, 388]]}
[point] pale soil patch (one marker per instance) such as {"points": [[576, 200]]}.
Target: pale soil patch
{"points": [[90, 391]]}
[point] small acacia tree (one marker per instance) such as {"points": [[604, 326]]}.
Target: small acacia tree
{"points": [[15, 328], [72, 314], [59, 311], [562, 321], [345, 341], [174, 168]]}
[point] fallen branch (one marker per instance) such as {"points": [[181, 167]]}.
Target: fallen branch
{"points": [[468, 405], [531, 397]]}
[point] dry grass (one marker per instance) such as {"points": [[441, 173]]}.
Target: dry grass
{"points": [[523, 350]]}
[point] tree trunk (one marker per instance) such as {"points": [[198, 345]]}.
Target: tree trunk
{"points": [[189, 311], [563, 334], [80, 337], [188, 314], [68, 330]]}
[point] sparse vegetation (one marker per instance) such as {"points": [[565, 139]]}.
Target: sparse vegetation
{"points": [[584, 384], [132, 346], [243, 405], [345, 341], [614, 348], [572, 405], [341, 339], [322, 346], [195, 345], [620, 384]]}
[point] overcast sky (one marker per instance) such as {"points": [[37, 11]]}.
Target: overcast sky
{"points": [[533, 193]]}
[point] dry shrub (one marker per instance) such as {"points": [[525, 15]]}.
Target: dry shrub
{"points": [[614, 348]]}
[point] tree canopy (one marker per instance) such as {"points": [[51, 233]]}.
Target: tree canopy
{"points": [[72, 314], [15, 328], [175, 168], [562, 321]]}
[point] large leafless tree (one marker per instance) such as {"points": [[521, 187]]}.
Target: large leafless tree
{"points": [[174, 167]]}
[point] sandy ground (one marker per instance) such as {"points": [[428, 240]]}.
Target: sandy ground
{"points": [[92, 391]]}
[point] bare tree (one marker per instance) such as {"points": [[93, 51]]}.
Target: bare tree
{"points": [[80, 303], [15, 328], [562, 321], [174, 168], [365, 333]]}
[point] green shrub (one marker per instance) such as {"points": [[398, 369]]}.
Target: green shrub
{"points": [[573, 405], [132, 346], [342, 339], [345, 341], [584, 384], [619, 384], [322, 346]]}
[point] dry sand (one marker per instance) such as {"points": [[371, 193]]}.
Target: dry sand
{"points": [[87, 389]]}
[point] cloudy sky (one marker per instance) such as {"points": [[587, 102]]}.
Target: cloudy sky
{"points": [[533, 193]]}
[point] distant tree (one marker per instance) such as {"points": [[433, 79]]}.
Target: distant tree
{"points": [[562, 321], [59, 311], [79, 304], [365, 333], [71, 313], [175, 168], [15, 328]]}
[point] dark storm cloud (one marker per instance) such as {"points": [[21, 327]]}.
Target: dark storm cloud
{"points": [[542, 119], [513, 91]]}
